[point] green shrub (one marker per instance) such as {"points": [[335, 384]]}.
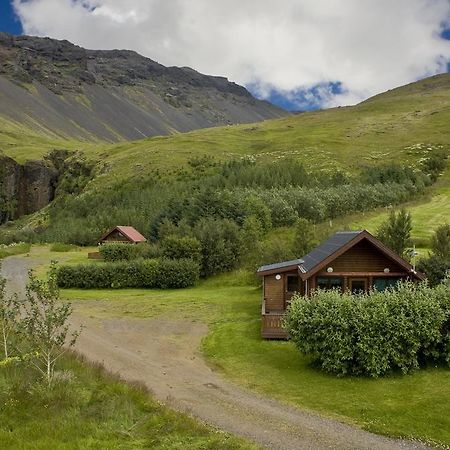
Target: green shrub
{"points": [[151, 273], [118, 252], [435, 267], [177, 273], [375, 333], [176, 247]]}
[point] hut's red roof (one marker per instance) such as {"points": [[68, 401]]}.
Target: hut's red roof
{"points": [[130, 232]]}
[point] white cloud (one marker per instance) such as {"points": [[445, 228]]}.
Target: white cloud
{"points": [[368, 45]]}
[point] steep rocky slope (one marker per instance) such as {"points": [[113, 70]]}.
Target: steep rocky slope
{"points": [[60, 89], [25, 188]]}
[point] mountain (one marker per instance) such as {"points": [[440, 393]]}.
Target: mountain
{"points": [[61, 90]]}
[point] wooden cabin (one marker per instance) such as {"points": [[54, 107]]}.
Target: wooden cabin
{"points": [[351, 261], [124, 235]]}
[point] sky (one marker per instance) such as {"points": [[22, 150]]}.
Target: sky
{"points": [[299, 54]]}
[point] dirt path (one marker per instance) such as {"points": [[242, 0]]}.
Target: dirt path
{"points": [[164, 354]]}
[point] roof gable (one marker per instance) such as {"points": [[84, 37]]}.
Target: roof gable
{"points": [[130, 233], [342, 242]]}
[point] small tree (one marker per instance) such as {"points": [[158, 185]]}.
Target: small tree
{"points": [[304, 238], [435, 267], [395, 232], [9, 313], [46, 323], [251, 235], [440, 242]]}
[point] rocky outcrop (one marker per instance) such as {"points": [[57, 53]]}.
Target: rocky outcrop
{"points": [[25, 188], [113, 95]]}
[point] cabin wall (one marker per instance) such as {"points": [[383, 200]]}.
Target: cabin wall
{"points": [[276, 292], [363, 257]]}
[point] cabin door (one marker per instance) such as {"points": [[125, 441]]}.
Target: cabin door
{"points": [[358, 285]]}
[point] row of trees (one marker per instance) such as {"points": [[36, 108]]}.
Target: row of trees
{"points": [[278, 193], [35, 329]]}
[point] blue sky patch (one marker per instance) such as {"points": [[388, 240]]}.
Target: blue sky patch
{"points": [[8, 20]]}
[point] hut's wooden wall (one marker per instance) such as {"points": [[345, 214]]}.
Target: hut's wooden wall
{"points": [[115, 236]]}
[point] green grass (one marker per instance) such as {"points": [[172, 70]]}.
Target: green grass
{"points": [[416, 405], [91, 409], [14, 249]]}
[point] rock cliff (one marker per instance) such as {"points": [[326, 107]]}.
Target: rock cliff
{"points": [[25, 188]]}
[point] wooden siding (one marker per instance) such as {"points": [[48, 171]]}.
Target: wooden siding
{"points": [[363, 258]]}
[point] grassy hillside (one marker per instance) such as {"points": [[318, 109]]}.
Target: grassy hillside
{"points": [[388, 127], [379, 129]]}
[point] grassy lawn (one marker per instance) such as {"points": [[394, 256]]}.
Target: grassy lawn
{"points": [[416, 405], [91, 409]]}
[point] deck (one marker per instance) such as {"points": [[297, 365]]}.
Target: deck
{"points": [[272, 324]]}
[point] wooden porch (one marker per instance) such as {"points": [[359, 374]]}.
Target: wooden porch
{"points": [[272, 324]]}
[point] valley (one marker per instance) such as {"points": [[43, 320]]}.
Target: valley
{"points": [[95, 139]]}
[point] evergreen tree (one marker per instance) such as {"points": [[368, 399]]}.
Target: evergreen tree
{"points": [[395, 232], [304, 238], [440, 242]]}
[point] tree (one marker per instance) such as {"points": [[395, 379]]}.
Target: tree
{"points": [[221, 245], [251, 235], [395, 232], [304, 237], [9, 314], [435, 267], [440, 242], [46, 323]]}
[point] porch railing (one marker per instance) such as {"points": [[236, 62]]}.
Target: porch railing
{"points": [[272, 324]]}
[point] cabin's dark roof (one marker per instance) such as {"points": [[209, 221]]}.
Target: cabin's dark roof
{"points": [[281, 265], [327, 248]]}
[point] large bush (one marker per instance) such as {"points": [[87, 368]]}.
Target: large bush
{"points": [[151, 273], [118, 252], [375, 333], [176, 247]]}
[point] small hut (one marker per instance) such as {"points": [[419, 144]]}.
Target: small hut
{"points": [[123, 235]]}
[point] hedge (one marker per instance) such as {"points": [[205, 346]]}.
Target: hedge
{"points": [[376, 333], [150, 273]]}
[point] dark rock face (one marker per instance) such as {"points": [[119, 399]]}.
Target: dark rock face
{"points": [[114, 95], [60, 65], [25, 188]]}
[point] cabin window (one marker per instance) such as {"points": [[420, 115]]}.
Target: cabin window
{"points": [[380, 284], [292, 283], [328, 283]]}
